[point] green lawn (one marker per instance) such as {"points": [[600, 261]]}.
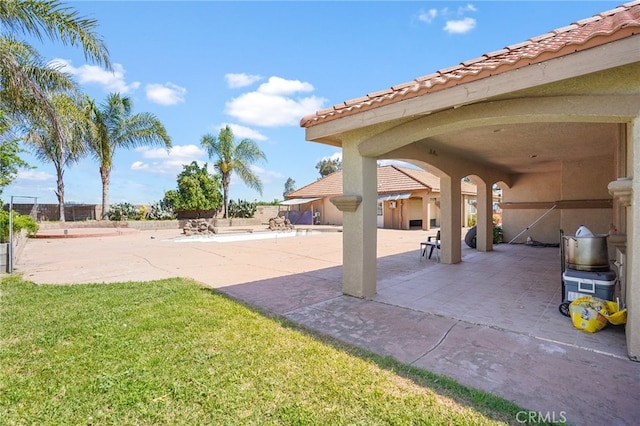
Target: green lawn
{"points": [[171, 352]]}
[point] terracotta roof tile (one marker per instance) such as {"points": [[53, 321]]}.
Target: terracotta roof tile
{"points": [[559, 42], [391, 179]]}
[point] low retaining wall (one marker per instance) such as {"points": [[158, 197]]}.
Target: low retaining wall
{"points": [[147, 225]]}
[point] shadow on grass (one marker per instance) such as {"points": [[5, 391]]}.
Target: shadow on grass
{"points": [[275, 298]]}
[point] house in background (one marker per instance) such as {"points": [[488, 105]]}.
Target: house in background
{"points": [[408, 198]]}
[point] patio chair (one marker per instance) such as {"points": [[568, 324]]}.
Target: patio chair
{"points": [[432, 243]]}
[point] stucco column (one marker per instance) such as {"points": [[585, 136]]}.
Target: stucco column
{"points": [[450, 220], [484, 235], [632, 329], [359, 239]]}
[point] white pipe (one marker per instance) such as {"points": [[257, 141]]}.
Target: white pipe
{"points": [[533, 224]]}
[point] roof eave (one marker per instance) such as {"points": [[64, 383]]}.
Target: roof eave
{"points": [[526, 76]]}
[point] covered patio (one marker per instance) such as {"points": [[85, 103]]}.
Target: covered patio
{"points": [[554, 121]]}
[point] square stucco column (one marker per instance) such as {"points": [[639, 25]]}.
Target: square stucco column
{"points": [[359, 239], [450, 220], [484, 235]]}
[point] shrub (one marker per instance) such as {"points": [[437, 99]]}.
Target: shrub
{"points": [[242, 209], [123, 211], [472, 220], [20, 222], [498, 236], [161, 210]]}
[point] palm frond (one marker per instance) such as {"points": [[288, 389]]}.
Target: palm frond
{"points": [[50, 19]]}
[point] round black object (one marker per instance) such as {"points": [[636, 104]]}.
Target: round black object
{"points": [[470, 238], [564, 309]]}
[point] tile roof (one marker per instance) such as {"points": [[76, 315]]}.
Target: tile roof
{"points": [[391, 179], [605, 27]]}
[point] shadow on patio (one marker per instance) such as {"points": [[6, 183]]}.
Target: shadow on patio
{"points": [[515, 287]]}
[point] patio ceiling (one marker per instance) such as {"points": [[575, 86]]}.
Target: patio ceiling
{"points": [[529, 147]]}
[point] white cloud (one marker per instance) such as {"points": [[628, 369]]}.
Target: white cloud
{"points": [[93, 74], [241, 80], [265, 175], [34, 175], [139, 165], [272, 104], [242, 132], [427, 16], [460, 26], [332, 157], [397, 163], [467, 8], [280, 86], [186, 152], [165, 94], [167, 162]]}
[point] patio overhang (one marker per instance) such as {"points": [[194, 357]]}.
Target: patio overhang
{"points": [[297, 201], [394, 197]]}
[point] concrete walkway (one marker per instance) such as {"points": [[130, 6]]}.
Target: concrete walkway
{"points": [[425, 314]]}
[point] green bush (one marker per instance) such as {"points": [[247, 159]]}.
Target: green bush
{"points": [[498, 236], [123, 211], [20, 222], [242, 209]]}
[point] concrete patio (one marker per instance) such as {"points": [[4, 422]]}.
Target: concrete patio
{"points": [[491, 322]]}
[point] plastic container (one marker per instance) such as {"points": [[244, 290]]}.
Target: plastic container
{"points": [[583, 231], [580, 283]]}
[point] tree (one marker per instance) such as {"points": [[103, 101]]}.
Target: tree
{"points": [[197, 190], [114, 126], [230, 157], [328, 166], [24, 78], [10, 161], [60, 146], [289, 185]]}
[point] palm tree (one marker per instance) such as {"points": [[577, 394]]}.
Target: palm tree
{"points": [[63, 145], [229, 157], [113, 127], [24, 80]]}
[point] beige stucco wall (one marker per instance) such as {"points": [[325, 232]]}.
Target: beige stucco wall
{"points": [[583, 180], [527, 188], [579, 180], [329, 214]]}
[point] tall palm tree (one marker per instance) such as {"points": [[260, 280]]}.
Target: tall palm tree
{"points": [[114, 126], [44, 137], [229, 157], [25, 81]]}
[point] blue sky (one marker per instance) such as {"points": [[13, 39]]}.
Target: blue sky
{"points": [[260, 67]]}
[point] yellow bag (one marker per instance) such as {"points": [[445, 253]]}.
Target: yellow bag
{"points": [[587, 314], [614, 314]]}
